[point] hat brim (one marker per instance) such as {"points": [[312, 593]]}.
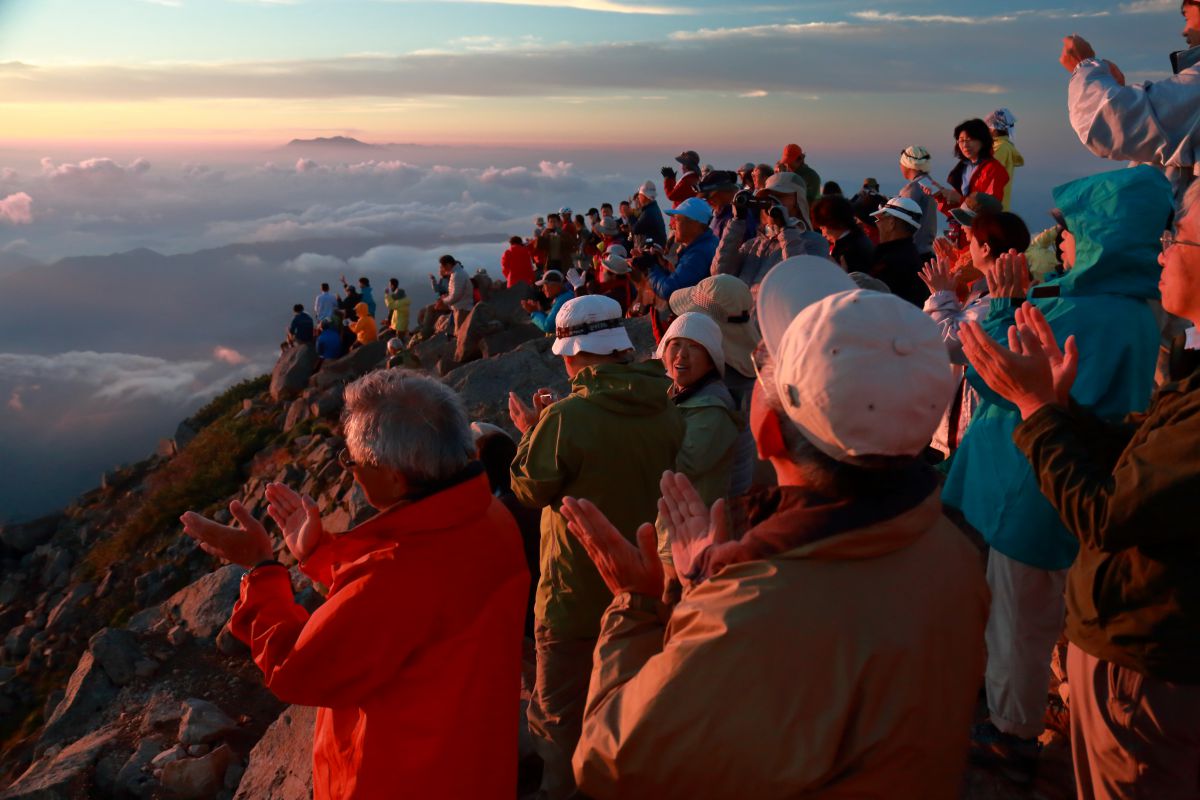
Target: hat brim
{"points": [[738, 339], [616, 268], [963, 216], [914, 224], [600, 343], [793, 285], [685, 215]]}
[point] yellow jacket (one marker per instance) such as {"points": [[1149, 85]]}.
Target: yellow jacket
{"points": [[846, 667], [1004, 151], [365, 326]]}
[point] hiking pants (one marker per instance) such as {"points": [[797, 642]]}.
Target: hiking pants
{"points": [[564, 669]]}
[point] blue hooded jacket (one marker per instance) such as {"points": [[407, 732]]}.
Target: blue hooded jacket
{"points": [[1116, 219]]}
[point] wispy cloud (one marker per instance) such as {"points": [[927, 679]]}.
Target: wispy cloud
{"points": [[605, 6], [957, 19], [1150, 6], [783, 29]]}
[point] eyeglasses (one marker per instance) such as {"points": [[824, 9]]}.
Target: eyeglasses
{"points": [[1168, 241], [760, 358], [345, 460]]}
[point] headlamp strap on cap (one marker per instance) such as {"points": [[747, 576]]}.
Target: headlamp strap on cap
{"points": [[564, 332]]}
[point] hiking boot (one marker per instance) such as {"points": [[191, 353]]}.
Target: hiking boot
{"points": [[1012, 756]]}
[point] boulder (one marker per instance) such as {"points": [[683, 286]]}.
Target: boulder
{"points": [[292, 371], [135, 778], [432, 350], [205, 605], [184, 433], [484, 385], [495, 344], [280, 765], [328, 403], [89, 692], [117, 653], [65, 775], [642, 336], [163, 713], [203, 723], [358, 361], [479, 323], [297, 413], [197, 778], [16, 643], [506, 304], [23, 537], [68, 610]]}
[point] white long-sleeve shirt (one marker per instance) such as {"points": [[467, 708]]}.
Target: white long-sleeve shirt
{"points": [[324, 306]]}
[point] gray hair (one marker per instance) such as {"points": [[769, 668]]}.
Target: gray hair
{"points": [[823, 472], [405, 421], [1191, 197]]}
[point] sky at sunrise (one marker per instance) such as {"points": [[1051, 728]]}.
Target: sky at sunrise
{"points": [[155, 228]]}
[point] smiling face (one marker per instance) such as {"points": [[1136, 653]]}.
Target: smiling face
{"points": [[1180, 280], [970, 148], [686, 361]]}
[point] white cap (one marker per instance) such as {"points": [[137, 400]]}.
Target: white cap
{"points": [[902, 208], [791, 286], [693, 208], [786, 183], [700, 328], [590, 324], [863, 374], [551, 276], [648, 189], [616, 260]]}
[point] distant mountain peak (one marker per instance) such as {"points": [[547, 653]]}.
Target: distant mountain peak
{"points": [[331, 141]]}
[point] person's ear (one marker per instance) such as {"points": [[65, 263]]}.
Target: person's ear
{"points": [[768, 436]]}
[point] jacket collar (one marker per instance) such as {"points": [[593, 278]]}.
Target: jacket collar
{"points": [[461, 499], [1185, 59]]}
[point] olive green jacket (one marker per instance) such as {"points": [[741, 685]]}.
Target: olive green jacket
{"points": [[609, 442]]}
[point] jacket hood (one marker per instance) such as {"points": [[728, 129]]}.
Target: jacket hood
{"points": [[1117, 219], [363, 310], [635, 389]]}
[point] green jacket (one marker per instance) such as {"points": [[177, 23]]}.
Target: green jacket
{"points": [[1128, 491], [711, 429], [609, 442], [812, 180], [399, 308]]}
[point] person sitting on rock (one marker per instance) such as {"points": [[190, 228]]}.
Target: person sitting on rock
{"points": [[300, 331], [329, 342], [819, 640], [556, 289], [609, 440], [415, 657]]}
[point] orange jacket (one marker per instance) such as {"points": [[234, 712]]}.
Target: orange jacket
{"points": [[414, 660], [364, 326]]}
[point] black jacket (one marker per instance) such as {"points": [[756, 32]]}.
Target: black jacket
{"points": [[897, 264]]}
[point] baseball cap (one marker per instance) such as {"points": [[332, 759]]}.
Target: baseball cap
{"points": [[791, 286], [717, 180], [791, 153], [590, 324], [689, 158], [694, 209], [871, 183], [863, 374], [700, 328], [551, 276], [902, 208], [728, 301], [648, 189], [975, 204], [747, 167]]}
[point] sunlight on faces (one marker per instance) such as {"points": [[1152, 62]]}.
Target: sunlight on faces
{"points": [[686, 361], [1180, 279], [383, 487], [970, 148], [1191, 25]]}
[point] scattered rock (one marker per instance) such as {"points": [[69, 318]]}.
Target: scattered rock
{"points": [[23, 537], [297, 413], [167, 756], [67, 612], [432, 350], [117, 653], [16, 643], [230, 645], [484, 385], [179, 635], [88, 693], [233, 775], [479, 323], [58, 569], [203, 723], [135, 778], [495, 344], [280, 765], [64, 775], [197, 750], [327, 404], [204, 606], [197, 778], [291, 372]]}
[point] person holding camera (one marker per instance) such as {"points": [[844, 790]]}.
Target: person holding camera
{"points": [[696, 244], [718, 189], [649, 223], [783, 230], [681, 188]]}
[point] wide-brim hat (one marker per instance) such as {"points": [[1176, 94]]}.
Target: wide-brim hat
{"points": [[727, 300], [590, 324]]}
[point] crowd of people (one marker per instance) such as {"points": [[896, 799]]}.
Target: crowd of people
{"points": [[889, 453]]}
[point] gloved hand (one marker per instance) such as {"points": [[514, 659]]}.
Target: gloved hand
{"points": [[667, 172], [741, 204]]}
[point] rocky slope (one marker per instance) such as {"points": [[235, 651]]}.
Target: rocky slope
{"points": [[118, 676]]}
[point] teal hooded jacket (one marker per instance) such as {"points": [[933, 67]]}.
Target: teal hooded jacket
{"points": [[1116, 219]]}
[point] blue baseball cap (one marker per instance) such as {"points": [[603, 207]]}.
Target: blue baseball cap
{"points": [[694, 209]]}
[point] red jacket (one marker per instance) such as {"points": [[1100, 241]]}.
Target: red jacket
{"points": [[990, 177], [414, 660], [678, 191], [517, 265]]}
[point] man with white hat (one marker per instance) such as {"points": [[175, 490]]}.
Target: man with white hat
{"points": [[784, 231], [649, 224], [802, 658], [914, 166], [896, 262], [609, 441], [696, 246]]}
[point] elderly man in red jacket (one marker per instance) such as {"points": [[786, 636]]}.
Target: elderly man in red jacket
{"points": [[414, 659]]}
